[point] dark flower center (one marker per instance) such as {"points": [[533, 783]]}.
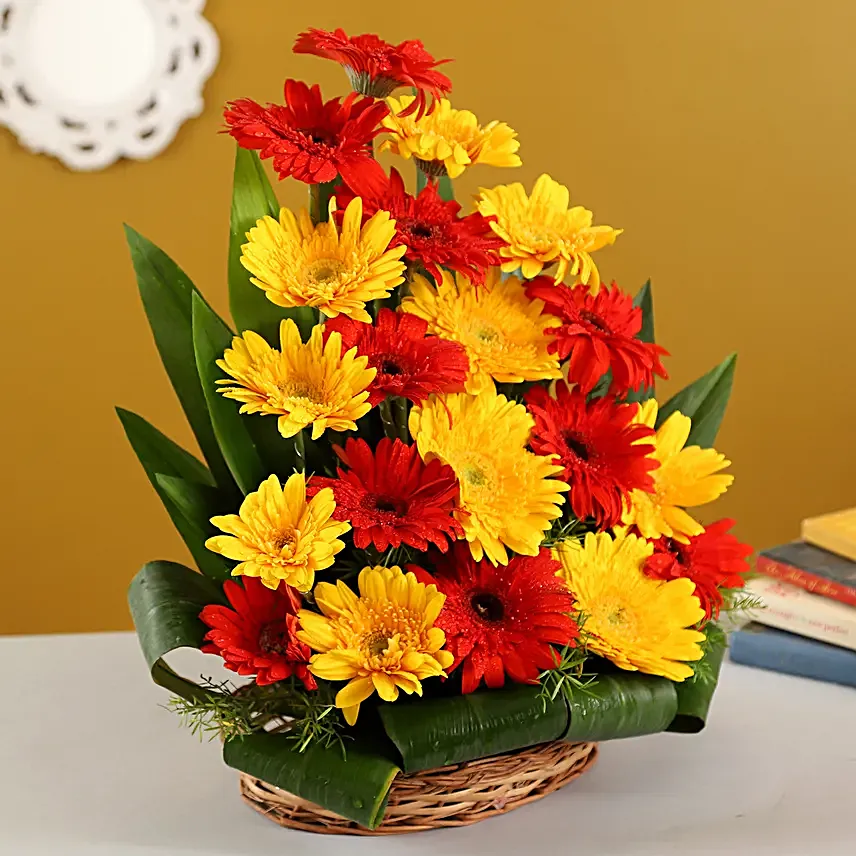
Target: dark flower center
{"points": [[577, 445], [273, 638], [390, 368], [678, 550], [421, 230], [391, 505], [595, 320], [487, 606]]}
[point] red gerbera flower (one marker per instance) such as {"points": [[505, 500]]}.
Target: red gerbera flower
{"points": [[376, 67], [392, 497], [598, 332], [257, 636], [409, 363], [714, 560], [430, 228], [310, 139], [504, 619], [601, 448]]}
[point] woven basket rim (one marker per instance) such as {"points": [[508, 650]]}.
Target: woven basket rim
{"points": [[456, 795]]}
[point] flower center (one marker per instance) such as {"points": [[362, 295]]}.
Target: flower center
{"points": [[422, 230], [273, 638], [576, 445], [595, 320], [300, 389], [375, 643], [390, 368], [323, 272], [390, 504], [285, 541], [487, 606]]}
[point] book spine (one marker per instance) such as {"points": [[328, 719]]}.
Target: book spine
{"points": [[805, 580], [793, 656], [803, 615]]}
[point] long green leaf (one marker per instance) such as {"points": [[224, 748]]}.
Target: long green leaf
{"points": [[165, 600], [436, 732], [623, 705], [166, 292], [644, 300], [211, 337], [704, 401], [252, 199], [355, 786], [163, 461], [198, 503], [695, 695], [159, 454]]}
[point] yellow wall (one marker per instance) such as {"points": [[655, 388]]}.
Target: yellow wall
{"points": [[719, 135]]}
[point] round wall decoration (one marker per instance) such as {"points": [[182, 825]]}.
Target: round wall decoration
{"points": [[90, 81]]}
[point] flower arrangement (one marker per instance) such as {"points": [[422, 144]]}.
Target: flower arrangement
{"points": [[442, 515]]}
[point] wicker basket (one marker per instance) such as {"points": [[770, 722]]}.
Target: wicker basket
{"points": [[448, 796]]}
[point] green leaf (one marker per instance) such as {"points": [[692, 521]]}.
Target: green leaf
{"points": [[436, 732], [211, 337], [696, 694], [254, 198], [355, 786], [166, 293], [164, 460], [704, 401], [444, 185], [447, 192], [421, 180], [645, 301], [198, 503], [165, 600], [623, 705]]}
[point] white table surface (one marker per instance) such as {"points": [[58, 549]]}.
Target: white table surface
{"points": [[90, 763]]}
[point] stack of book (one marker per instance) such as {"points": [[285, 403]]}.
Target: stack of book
{"points": [[808, 589]]}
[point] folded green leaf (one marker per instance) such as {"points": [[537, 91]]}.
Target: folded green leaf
{"points": [[211, 337], [704, 401], [197, 504], [166, 292], [696, 694], [166, 462], [252, 199], [435, 732], [623, 705], [355, 786], [165, 600], [645, 301]]}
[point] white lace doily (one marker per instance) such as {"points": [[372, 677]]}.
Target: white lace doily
{"points": [[90, 81]]}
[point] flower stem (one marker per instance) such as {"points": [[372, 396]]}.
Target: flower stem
{"points": [[319, 200], [300, 451], [389, 427], [400, 416]]}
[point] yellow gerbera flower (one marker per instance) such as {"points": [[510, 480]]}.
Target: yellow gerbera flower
{"points": [[501, 329], [686, 477], [383, 640], [445, 141], [638, 623], [540, 229], [280, 537], [508, 496], [301, 264], [304, 384]]}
